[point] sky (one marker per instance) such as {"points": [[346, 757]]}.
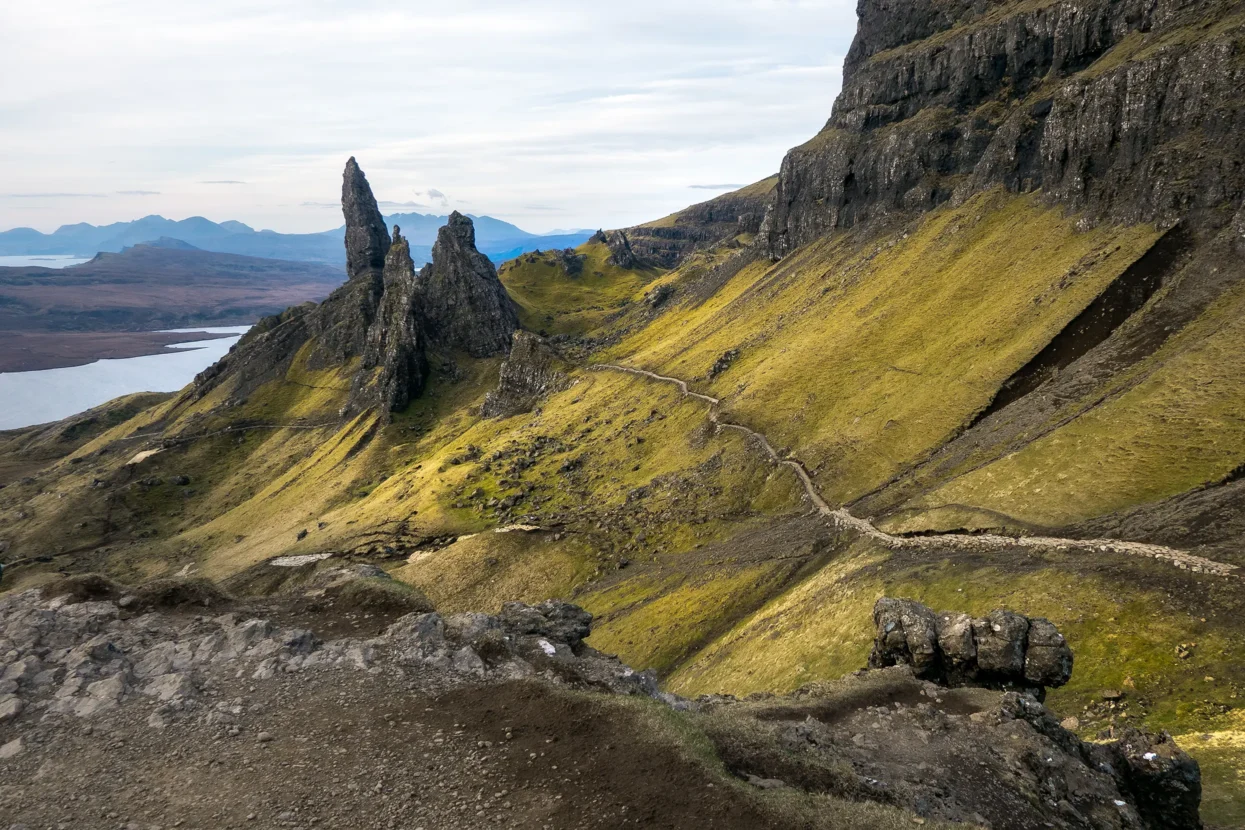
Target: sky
{"points": [[546, 113]]}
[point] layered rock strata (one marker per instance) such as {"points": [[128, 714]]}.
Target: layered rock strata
{"points": [[1126, 109]]}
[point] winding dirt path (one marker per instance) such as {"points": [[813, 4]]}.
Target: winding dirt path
{"points": [[841, 518]]}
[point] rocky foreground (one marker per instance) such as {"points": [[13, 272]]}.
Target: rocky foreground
{"points": [[178, 707]]}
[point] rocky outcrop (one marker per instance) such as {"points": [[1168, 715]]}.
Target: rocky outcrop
{"points": [[669, 242], [1003, 650], [395, 362], [620, 251], [1120, 108], [385, 315], [95, 663], [367, 239], [82, 659], [463, 304], [531, 372], [342, 322], [338, 327]]}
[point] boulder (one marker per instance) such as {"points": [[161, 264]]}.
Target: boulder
{"points": [[959, 648], [1001, 640], [1048, 659], [906, 634], [554, 620], [1003, 650]]}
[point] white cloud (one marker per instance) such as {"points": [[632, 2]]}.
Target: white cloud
{"points": [[607, 116]]}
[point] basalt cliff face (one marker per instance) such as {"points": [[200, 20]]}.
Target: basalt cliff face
{"points": [[385, 318], [1123, 109]]}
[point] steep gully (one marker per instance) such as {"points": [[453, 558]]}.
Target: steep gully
{"points": [[842, 519]]}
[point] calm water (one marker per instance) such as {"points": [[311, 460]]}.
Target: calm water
{"points": [[41, 260], [51, 394]]}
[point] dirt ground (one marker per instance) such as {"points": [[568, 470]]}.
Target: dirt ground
{"points": [[368, 751]]}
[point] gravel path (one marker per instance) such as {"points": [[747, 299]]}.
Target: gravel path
{"points": [[841, 518]]}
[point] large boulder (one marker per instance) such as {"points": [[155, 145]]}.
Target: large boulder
{"points": [[1002, 650], [1048, 660], [907, 634], [1001, 640], [553, 620]]}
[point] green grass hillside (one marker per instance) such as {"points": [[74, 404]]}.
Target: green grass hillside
{"points": [[861, 354], [553, 299]]}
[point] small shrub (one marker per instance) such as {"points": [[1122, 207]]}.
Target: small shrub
{"points": [[89, 587], [382, 595], [179, 593]]}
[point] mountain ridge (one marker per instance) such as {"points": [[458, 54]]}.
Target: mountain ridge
{"points": [[498, 238]]}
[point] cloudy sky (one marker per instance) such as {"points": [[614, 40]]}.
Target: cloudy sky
{"points": [[547, 113]]}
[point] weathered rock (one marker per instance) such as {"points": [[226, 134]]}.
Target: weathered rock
{"points": [[532, 371], [1003, 650], [338, 328], [906, 634], [367, 239], [1001, 641], [1048, 660], [1160, 778], [959, 648], [462, 303], [395, 363], [10, 707], [943, 100], [700, 226], [560, 622], [620, 251]]}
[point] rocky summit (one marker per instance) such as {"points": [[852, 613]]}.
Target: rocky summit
{"points": [[385, 316], [183, 678], [463, 303], [902, 488]]}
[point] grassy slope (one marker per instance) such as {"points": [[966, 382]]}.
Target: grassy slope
{"points": [[1172, 423], [553, 302], [860, 354], [863, 361]]}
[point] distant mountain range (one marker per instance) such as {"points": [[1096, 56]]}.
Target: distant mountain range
{"points": [[497, 239]]}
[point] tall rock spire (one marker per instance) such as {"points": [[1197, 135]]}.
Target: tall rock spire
{"points": [[463, 303], [367, 240], [394, 366]]}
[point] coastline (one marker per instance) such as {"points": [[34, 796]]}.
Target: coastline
{"points": [[29, 351]]}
